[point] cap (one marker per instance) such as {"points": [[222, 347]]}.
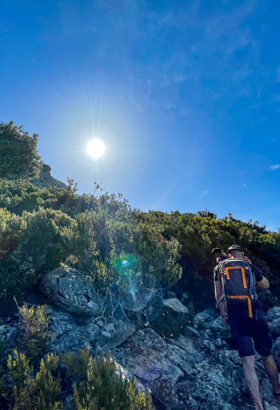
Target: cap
{"points": [[217, 251], [235, 248]]}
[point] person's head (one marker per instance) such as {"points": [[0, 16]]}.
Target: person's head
{"points": [[236, 252]]}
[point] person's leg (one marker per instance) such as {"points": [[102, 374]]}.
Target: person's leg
{"points": [[242, 337], [263, 345], [272, 371], [252, 380]]}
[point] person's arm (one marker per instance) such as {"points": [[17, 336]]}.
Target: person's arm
{"points": [[261, 280], [264, 283], [219, 296]]}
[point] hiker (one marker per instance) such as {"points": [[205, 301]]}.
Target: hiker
{"points": [[235, 291]]}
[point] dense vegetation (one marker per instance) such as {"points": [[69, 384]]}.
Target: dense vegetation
{"points": [[41, 229]]}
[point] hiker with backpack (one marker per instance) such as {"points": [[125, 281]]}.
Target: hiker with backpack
{"points": [[235, 280]]}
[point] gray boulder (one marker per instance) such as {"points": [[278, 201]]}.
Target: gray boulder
{"points": [[273, 313], [274, 327], [179, 375], [7, 333], [72, 290], [175, 305], [111, 332], [69, 336]]}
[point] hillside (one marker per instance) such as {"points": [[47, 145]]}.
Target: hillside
{"points": [[88, 272]]}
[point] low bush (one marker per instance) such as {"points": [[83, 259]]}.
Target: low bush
{"points": [[98, 385]]}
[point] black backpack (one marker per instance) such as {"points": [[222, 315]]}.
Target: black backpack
{"points": [[239, 283]]}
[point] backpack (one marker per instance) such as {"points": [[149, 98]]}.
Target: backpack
{"points": [[239, 283]]}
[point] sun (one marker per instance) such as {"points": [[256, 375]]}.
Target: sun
{"points": [[95, 148]]}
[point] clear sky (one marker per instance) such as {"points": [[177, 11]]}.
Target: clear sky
{"points": [[184, 94]]}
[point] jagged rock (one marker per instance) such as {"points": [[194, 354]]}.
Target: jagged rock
{"points": [[209, 345], [71, 290], [269, 406], [202, 319], [191, 331], [274, 327], [273, 313], [7, 333], [120, 371], [208, 334], [46, 180], [192, 355], [276, 351], [69, 403], [218, 327], [171, 295], [176, 305], [185, 298], [179, 375], [68, 336], [112, 332], [158, 365]]}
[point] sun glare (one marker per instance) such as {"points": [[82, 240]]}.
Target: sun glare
{"points": [[95, 148]]}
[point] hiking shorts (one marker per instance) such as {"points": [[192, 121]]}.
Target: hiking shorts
{"points": [[245, 330]]}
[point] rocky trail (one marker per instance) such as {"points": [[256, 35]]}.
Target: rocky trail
{"points": [[197, 371]]}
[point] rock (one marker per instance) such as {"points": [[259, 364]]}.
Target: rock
{"points": [[218, 327], [72, 341], [268, 406], [274, 327], [209, 345], [211, 311], [171, 295], [185, 298], [120, 371], [59, 322], [160, 364], [71, 290], [7, 333], [276, 351], [191, 331], [67, 336], [113, 332], [69, 404], [273, 313], [267, 394], [176, 305], [192, 355], [209, 334], [220, 342], [203, 317]]}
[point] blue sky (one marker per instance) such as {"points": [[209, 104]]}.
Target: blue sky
{"points": [[184, 94]]}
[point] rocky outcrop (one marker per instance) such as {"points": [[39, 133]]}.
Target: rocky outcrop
{"points": [[46, 180], [72, 290], [198, 371], [178, 374], [69, 334], [176, 305]]}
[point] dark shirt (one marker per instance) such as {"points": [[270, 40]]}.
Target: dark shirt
{"points": [[235, 310]]}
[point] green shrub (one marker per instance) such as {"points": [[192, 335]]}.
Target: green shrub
{"points": [[35, 335], [35, 393], [19, 154], [97, 384], [105, 390], [31, 245], [76, 364]]}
